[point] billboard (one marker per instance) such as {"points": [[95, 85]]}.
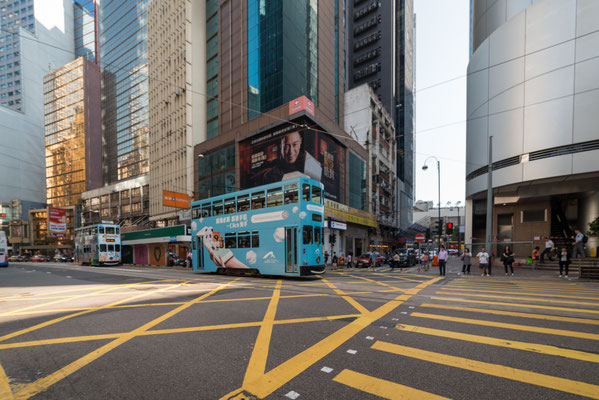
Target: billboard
{"points": [[273, 156], [175, 199], [57, 222]]}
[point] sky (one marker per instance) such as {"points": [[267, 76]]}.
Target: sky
{"points": [[442, 41]]}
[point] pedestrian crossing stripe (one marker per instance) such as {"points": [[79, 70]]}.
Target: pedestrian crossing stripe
{"points": [[515, 314], [578, 310], [501, 371], [511, 344], [540, 294], [381, 387], [490, 296], [526, 328]]}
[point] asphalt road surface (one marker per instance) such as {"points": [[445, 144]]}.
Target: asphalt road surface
{"points": [[72, 332]]}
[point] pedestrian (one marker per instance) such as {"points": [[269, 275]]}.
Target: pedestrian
{"points": [[549, 246], [349, 260], [483, 262], [189, 259], [424, 260], [326, 258], [443, 256], [466, 262], [372, 260], [508, 259], [536, 256], [395, 261], [579, 245], [335, 260], [564, 262]]}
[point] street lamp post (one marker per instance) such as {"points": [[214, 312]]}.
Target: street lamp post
{"points": [[424, 168], [201, 156]]}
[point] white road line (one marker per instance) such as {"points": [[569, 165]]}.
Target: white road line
{"points": [[350, 351], [327, 370]]}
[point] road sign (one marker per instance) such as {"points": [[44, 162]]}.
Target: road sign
{"points": [[419, 238]]}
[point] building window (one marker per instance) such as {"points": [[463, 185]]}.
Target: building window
{"points": [[534, 215]]}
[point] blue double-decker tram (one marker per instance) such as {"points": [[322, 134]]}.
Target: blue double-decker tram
{"points": [[275, 229]]}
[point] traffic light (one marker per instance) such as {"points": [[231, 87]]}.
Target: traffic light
{"points": [[437, 227], [449, 228]]}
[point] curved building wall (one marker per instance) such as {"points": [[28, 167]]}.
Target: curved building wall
{"points": [[533, 85]]}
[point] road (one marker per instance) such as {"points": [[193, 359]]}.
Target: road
{"points": [[72, 332]]}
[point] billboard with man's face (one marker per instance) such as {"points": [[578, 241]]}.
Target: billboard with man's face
{"points": [[275, 155]]}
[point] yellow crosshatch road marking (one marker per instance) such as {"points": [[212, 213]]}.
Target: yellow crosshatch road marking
{"points": [[515, 314], [538, 294], [267, 383], [77, 314], [382, 388], [5, 391], [74, 339], [578, 310], [482, 284], [361, 309], [533, 378], [527, 328], [44, 383], [511, 344], [377, 282], [519, 298]]}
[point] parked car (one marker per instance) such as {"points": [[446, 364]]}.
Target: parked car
{"points": [[365, 260], [452, 252], [407, 258], [65, 258], [175, 260], [40, 258], [16, 258]]}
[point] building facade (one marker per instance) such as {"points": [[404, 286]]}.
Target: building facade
{"points": [[533, 85], [380, 53], [73, 132], [86, 29]]}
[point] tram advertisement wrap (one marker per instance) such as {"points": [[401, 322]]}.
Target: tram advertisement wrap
{"points": [[57, 222], [273, 156]]}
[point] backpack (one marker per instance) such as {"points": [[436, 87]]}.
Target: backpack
{"points": [[585, 239]]}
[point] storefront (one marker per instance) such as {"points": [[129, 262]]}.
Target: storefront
{"points": [[349, 226], [153, 246]]}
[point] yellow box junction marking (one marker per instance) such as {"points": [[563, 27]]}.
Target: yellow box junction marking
{"points": [[501, 291], [526, 328], [578, 310], [382, 388], [491, 296], [519, 375], [280, 375], [515, 314], [377, 282], [5, 390], [361, 309], [44, 383], [511, 344]]}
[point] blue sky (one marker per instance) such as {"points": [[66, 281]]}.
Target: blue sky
{"points": [[442, 37]]}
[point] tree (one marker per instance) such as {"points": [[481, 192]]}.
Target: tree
{"points": [[593, 228]]}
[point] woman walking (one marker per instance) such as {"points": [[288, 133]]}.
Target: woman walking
{"points": [[467, 262], [564, 261], [508, 259]]}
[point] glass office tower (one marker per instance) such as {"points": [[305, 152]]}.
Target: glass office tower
{"points": [[85, 24], [123, 55]]}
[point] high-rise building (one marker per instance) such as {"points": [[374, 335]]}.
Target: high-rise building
{"points": [[274, 78], [533, 88], [86, 29], [73, 132], [380, 53]]}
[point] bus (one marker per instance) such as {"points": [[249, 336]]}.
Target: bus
{"points": [[3, 249], [274, 229], [98, 244]]}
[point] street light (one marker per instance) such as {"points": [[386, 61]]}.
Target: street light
{"points": [[201, 156], [424, 168]]}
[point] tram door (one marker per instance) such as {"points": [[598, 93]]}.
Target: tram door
{"points": [[200, 247], [291, 250]]}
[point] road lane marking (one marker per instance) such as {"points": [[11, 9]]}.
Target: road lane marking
{"points": [[511, 344], [577, 310], [526, 328], [291, 368], [515, 314], [257, 363], [326, 370], [545, 288], [540, 294], [359, 307], [377, 282], [351, 351], [519, 298], [381, 387], [5, 390], [44, 383], [501, 371]]}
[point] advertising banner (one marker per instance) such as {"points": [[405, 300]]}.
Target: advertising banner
{"points": [[57, 222], [175, 199], [273, 156]]}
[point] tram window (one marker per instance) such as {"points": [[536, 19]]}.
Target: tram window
{"points": [[307, 234], [217, 208], [316, 194], [196, 212], [243, 240], [110, 230], [101, 230], [230, 241], [117, 230], [274, 197], [255, 239], [316, 217], [257, 200], [317, 235], [230, 206], [243, 203], [206, 210], [306, 192], [291, 194], [111, 247], [102, 247], [117, 247]]}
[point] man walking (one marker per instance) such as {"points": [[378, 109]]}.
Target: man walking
{"points": [[483, 261], [443, 256], [548, 247], [579, 245]]}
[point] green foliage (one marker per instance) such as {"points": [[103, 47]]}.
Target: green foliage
{"points": [[593, 228]]}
